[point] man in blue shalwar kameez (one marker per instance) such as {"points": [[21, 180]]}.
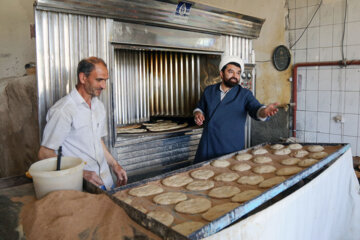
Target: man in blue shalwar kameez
{"points": [[223, 108]]}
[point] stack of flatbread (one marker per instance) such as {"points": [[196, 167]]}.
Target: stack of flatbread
{"points": [[164, 126]]}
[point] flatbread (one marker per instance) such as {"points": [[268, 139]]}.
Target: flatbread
{"points": [[177, 180], [283, 151], [271, 182], [251, 180], [245, 196], [286, 171], [241, 167], [226, 177], [124, 199], [290, 161], [200, 185], [220, 163], [193, 206], [224, 192], [299, 153], [262, 159], [146, 190], [315, 148], [277, 146], [264, 169], [307, 162], [187, 228], [243, 156], [218, 211], [169, 198], [139, 207], [318, 155], [295, 146], [162, 216], [166, 127], [202, 174], [130, 130], [259, 151]]}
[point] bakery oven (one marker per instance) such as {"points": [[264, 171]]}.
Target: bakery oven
{"points": [[160, 54]]}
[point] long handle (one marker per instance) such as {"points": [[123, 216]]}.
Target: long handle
{"points": [[58, 164]]}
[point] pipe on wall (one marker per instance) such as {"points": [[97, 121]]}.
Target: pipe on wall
{"points": [[313, 64]]}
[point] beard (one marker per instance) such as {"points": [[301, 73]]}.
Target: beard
{"points": [[230, 83]]}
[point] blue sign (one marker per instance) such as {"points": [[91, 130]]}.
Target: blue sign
{"points": [[183, 9]]}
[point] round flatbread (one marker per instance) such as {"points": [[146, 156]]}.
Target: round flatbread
{"points": [[162, 216], [264, 169], [177, 180], [169, 198], [295, 146], [193, 206], [286, 171], [202, 174], [245, 196], [315, 148], [218, 211], [290, 161], [243, 156], [262, 159], [284, 151], [307, 162], [220, 163], [200, 185], [241, 167], [299, 153], [277, 146], [259, 151], [271, 182], [140, 208], [124, 199], [146, 190], [187, 228], [226, 177], [251, 180], [318, 155], [224, 192]]}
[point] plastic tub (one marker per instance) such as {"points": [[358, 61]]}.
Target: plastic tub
{"points": [[46, 179]]}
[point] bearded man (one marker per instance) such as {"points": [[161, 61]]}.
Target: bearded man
{"points": [[222, 110]]}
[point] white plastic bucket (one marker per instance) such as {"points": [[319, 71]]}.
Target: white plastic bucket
{"points": [[46, 179]]}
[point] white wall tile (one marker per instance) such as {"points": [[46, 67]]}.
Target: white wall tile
{"points": [[335, 138], [300, 55], [313, 55], [325, 79], [310, 121], [301, 79], [337, 101], [335, 127], [352, 82], [292, 19], [302, 43], [300, 120], [316, 19], [352, 102], [313, 2], [326, 14], [300, 135], [301, 3], [312, 80], [311, 102], [338, 34], [301, 17], [324, 101], [323, 122], [339, 11], [313, 37], [301, 100], [353, 10], [337, 53], [353, 143], [326, 54], [326, 35], [292, 4], [351, 124], [353, 33], [338, 79], [357, 147], [352, 52], [310, 137], [323, 138]]}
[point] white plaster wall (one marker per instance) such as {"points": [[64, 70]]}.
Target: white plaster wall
{"points": [[16, 46]]}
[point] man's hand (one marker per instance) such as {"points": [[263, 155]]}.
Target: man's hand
{"points": [[199, 118], [269, 111], [120, 175], [92, 177]]}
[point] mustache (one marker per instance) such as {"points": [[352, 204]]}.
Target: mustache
{"points": [[233, 79]]}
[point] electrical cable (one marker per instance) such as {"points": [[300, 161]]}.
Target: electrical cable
{"points": [[343, 35]]}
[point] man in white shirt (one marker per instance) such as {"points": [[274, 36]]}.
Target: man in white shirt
{"points": [[77, 122]]}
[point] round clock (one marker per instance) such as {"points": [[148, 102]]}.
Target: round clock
{"points": [[281, 58]]}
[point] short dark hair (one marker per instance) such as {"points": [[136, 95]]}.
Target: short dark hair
{"points": [[87, 65], [233, 63]]}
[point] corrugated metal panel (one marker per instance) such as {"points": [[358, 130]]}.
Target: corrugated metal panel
{"points": [[241, 47], [155, 83]]}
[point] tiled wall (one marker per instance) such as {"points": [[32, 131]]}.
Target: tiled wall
{"points": [[327, 92]]}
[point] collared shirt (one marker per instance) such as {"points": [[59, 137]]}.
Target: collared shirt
{"points": [[72, 124], [222, 95]]}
